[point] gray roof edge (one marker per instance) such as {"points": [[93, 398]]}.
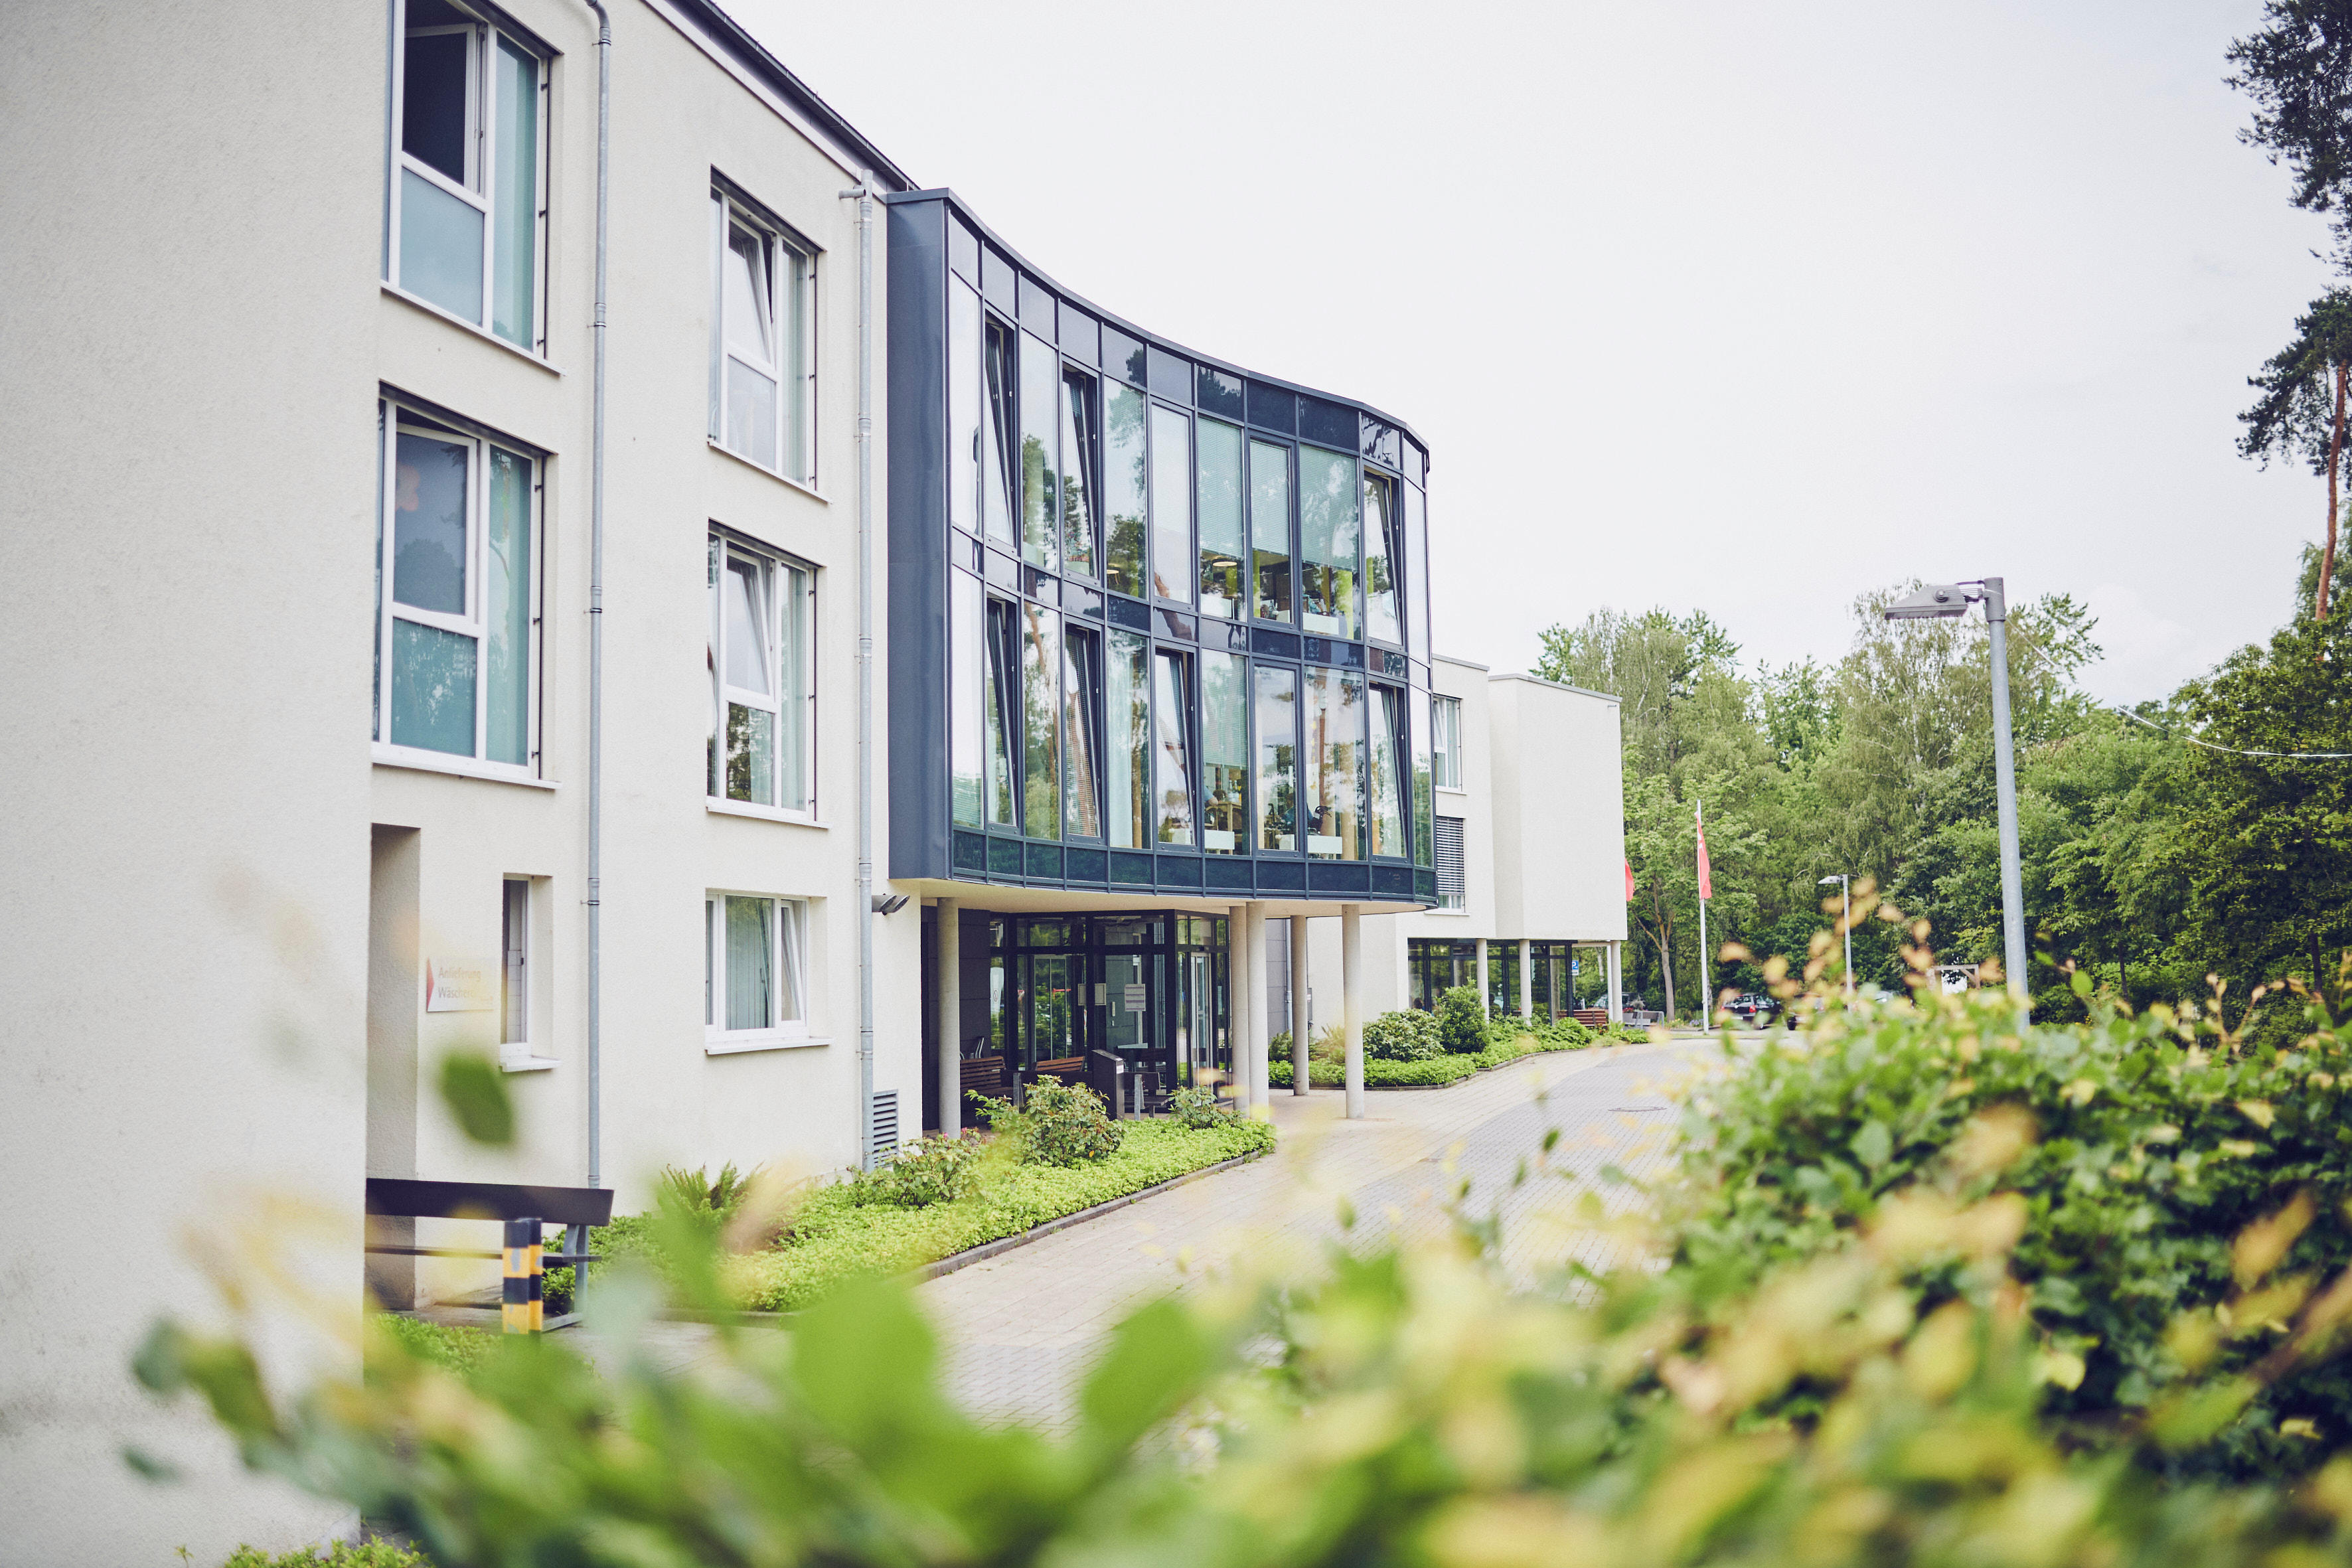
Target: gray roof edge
{"points": [[1556, 686], [732, 35]]}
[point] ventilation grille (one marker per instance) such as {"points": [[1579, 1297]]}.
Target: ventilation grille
{"points": [[1450, 886], [886, 1124]]}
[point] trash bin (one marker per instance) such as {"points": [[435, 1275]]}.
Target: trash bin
{"points": [[1107, 1076]]}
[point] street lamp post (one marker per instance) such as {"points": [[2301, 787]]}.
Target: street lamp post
{"points": [[1939, 601], [1845, 888]]}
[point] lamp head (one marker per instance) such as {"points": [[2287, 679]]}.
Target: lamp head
{"points": [[1825, 881], [1937, 601], [890, 903]]}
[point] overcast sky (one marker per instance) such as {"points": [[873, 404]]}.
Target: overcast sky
{"points": [[1696, 303]]}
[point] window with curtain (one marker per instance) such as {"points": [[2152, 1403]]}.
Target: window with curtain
{"points": [[1381, 555], [1446, 755], [457, 591], [1328, 544], [1217, 506], [1277, 757], [1172, 706], [1127, 723], [762, 702], [761, 407], [1079, 425], [1333, 783], [1041, 486], [1081, 736], [1171, 505], [469, 141], [754, 972], [1123, 473], [1269, 522], [1224, 752], [1387, 815]]}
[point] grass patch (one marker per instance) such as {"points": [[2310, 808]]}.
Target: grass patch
{"points": [[337, 1554], [1444, 1070], [835, 1240], [458, 1350]]}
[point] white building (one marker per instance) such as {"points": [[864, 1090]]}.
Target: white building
{"points": [[303, 462]]}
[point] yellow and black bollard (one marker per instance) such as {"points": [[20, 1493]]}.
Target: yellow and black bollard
{"points": [[521, 1310]]}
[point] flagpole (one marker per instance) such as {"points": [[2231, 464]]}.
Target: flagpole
{"points": [[1705, 970]]}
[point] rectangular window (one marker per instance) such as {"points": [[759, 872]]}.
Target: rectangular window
{"points": [[1277, 757], [1127, 712], [1171, 505], [754, 972], [1416, 573], [999, 444], [1425, 797], [1387, 814], [1269, 468], [1002, 704], [1335, 764], [1123, 474], [967, 666], [1079, 425], [468, 144], [1327, 545], [1172, 781], [1218, 500], [761, 407], [965, 431], [1081, 738], [1224, 751], [1041, 486], [1041, 729], [1451, 889], [458, 628], [514, 968], [1380, 556], [763, 729], [1446, 759]]}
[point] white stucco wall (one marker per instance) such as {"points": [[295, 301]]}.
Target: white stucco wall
{"points": [[1559, 801]]}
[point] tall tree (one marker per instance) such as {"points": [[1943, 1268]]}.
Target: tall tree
{"points": [[2297, 67], [2301, 410]]}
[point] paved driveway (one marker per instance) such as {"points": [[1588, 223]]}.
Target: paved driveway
{"points": [[1020, 1327]]}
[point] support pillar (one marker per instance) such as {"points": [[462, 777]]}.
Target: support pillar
{"points": [[1352, 1001], [1615, 966], [1261, 1091], [1299, 1074], [1237, 984], [948, 944], [1527, 980], [1485, 996]]}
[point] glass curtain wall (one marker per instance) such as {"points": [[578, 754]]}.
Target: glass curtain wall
{"points": [[1224, 752], [1124, 472], [1503, 978], [967, 660], [1269, 521], [1380, 610], [1436, 967], [1218, 500], [1416, 573], [1387, 816], [1277, 757], [1126, 710], [999, 445], [1041, 497], [1335, 764], [1328, 544], [1041, 672], [1079, 440], [1172, 775], [1171, 505], [966, 432], [1002, 699], [1081, 740], [1424, 797]]}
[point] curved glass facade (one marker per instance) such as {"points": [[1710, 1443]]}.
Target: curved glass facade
{"points": [[1156, 625]]}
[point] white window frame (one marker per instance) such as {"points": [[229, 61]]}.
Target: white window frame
{"points": [[1444, 725], [788, 583], [790, 303], [393, 416], [478, 190], [789, 929]]}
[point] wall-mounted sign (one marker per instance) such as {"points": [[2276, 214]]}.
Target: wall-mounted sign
{"points": [[451, 986]]}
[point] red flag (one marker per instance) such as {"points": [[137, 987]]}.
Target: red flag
{"points": [[1629, 881], [1706, 880]]}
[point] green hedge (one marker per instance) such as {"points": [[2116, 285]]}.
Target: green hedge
{"points": [[834, 1239], [1451, 1068]]}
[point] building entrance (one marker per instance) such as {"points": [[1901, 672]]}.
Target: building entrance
{"points": [[1150, 987]]}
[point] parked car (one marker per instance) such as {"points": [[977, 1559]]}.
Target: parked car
{"points": [[1752, 1008]]}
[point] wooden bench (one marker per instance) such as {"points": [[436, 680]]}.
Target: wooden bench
{"points": [[1591, 1017], [576, 1208], [1068, 1069], [983, 1075]]}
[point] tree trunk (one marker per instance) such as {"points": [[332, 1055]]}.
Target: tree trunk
{"points": [[2335, 456], [2123, 973], [1666, 952]]}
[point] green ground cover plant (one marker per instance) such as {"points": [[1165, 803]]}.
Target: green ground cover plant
{"points": [[457, 1350], [1429, 1072], [337, 1554]]}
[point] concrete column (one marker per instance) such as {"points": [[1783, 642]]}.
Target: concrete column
{"points": [[1299, 1084], [949, 943], [1261, 1091], [1241, 977], [1526, 980], [1483, 992], [1615, 966], [1351, 1000]]}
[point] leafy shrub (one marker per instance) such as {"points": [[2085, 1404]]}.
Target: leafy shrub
{"points": [[1462, 1020], [1410, 1036], [1199, 1107], [339, 1554], [2143, 1148], [1563, 1034], [1060, 1124], [706, 1201], [926, 1171]]}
